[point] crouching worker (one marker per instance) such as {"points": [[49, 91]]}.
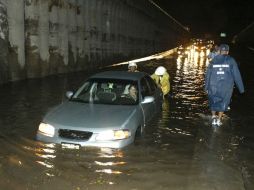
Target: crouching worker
{"points": [[161, 77]]}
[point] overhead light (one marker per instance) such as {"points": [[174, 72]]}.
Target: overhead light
{"points": [[223, 35]]}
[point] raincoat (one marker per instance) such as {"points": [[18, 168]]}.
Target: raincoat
{"points": [[220, 77], [163, 82]]}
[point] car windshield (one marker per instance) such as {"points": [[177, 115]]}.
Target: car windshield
{"points": [[108, 91]]}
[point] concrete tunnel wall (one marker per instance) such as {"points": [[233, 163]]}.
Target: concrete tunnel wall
{"points": [[45, 37]]}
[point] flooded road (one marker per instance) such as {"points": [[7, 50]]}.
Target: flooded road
{"points": [[180, 150]]}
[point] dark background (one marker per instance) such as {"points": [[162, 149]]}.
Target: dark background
{"points": [[210, 18]]}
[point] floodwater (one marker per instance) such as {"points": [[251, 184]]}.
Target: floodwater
{"points": [[180, 149]]}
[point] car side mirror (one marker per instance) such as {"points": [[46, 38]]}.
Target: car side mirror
{"points": [[147, 99], [69, 94]]}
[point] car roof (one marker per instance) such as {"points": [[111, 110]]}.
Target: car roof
{"points": [[120, 75]]}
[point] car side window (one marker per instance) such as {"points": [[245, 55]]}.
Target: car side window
{"points": [[145, 91], [151, 83]]}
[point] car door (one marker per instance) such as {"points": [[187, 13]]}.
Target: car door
{"points": [[147, 108]]}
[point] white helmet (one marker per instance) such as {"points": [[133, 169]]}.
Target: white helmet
{"points": [[160, 70], [132, 64]]}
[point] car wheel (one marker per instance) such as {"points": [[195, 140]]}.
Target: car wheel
{"points": [[139, 132]]}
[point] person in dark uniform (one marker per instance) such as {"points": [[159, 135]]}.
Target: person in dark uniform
{"points": [[222, 73], [213, 52]]}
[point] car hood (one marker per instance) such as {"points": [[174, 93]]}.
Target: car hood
{"points": [[74, 115]]}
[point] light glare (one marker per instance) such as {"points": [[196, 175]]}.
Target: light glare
{"points": [[47, 129]]}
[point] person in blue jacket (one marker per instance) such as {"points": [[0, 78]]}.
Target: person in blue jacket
{"points": [[213, 52], [220, 77]]}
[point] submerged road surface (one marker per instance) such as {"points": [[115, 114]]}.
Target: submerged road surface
{"points": [[180, 149]]}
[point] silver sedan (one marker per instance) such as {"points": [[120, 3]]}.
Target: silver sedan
{"points": [[110, 109]]}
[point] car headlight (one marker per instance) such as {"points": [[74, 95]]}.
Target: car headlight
{"points": [[113, 135], [46, 129]]}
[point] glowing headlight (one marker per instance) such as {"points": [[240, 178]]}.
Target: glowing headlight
{"points": [[113, 135], [47, 129], [122, 134]]}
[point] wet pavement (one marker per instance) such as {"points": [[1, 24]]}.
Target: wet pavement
{"points": [[180, 149]]}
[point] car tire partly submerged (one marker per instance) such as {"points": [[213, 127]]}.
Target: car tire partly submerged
{"points": [[139, 132], [138, 135]]}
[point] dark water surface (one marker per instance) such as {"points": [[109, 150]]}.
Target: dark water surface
{"points": [[180, 150]]}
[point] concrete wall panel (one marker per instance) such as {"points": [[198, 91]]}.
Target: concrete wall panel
{"points": [[48, 37], [4, 67], [16, 31]]}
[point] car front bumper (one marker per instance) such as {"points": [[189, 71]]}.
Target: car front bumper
{"points": [[92, 142]]}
